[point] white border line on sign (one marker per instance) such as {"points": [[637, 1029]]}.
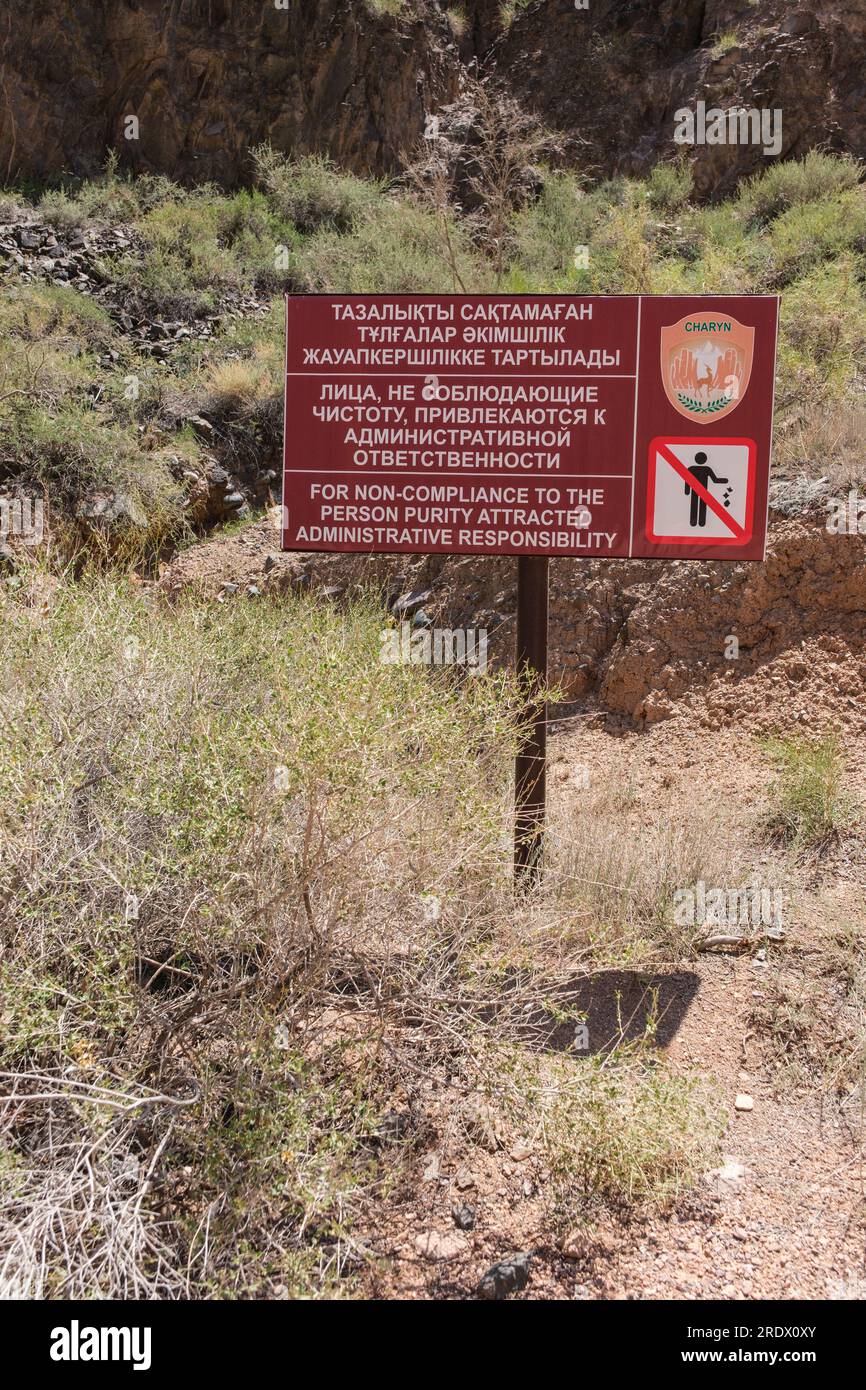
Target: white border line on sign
{"points": [[778, 299], [634, 437], [481, 376], [392, 475]]}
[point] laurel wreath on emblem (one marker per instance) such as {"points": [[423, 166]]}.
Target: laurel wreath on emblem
{"points": [[695, 406]]}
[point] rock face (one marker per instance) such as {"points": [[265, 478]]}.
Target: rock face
{"points": [[209, 79], [614, 74]]}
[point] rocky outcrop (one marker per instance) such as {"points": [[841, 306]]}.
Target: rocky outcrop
{"points": [[241, 448], [207, 80], [613, 75]]}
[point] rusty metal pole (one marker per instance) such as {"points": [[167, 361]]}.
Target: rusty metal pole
{"points": [[530, 785]]}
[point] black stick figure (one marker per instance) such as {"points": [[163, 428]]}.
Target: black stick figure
{"points": [[701, 472]]}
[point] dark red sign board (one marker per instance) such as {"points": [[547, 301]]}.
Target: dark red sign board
{"points": [[593, 426]]}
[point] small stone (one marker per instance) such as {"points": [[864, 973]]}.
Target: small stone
{"points": [[729, 1178], [573, 1244], [464, 1216], [436, 1245], [507, 1277], [409, 603], [744, 1102], [521, 1151], [464, 1180]]}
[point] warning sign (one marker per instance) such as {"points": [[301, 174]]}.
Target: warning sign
{"points": [[594, 426], [701, 491]]}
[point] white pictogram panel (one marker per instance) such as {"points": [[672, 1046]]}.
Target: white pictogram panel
{"points": [[701, 491]]}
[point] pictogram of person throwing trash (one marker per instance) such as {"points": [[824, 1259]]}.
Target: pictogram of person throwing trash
{"points": [[702, 473]]}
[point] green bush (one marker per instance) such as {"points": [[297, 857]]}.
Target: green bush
{"points": [[808, 808], [669, 187], [625, 1136], [812, 233], [782, 186], [548, 233], [397, 247], [112, 197], [67, 443], [311, 193], [823, 335], [200, 248]]}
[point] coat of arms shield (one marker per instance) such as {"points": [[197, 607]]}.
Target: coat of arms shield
{"points": [[706, 365]]}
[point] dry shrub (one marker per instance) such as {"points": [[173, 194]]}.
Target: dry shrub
{"points": [[826, 449], [484, 164], [225, 832], [256, 906]]}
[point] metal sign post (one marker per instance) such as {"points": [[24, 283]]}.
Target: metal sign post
{"points": [[530, 781]]}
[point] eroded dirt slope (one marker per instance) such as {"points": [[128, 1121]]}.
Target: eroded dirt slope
{"points": [[631, 638]]}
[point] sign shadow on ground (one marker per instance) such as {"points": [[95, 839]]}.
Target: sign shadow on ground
{"points": [[610, 1008]]}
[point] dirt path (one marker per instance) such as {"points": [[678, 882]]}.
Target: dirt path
{"points": [[784, 1218]]}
